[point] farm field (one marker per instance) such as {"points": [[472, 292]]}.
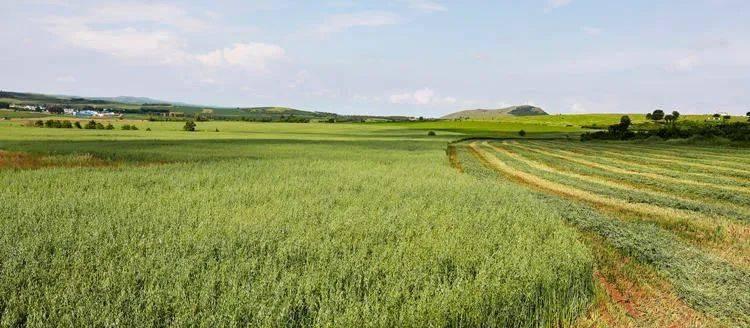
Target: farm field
{"points": [[379, 225], [272, 225], [680, 211]]}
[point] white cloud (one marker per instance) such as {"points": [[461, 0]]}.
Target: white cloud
{"points": [[108, 29], [159, 13], [254, 56], [686, 63], [124, 43], [425, 96], [554, 4], [426, 5], [577, 108], [338, 23], [590, 30]]}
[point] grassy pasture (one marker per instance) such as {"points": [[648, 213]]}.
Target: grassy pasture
{"points": [[374, 224], [274, 225]]}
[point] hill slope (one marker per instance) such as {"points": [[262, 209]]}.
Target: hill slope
{"points": [[523, 110], [142, 106]]}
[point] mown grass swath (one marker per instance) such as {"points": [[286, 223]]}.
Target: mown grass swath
{"points": [[700, 246]]}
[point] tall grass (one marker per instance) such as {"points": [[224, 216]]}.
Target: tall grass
{"points": [[265, 232]]}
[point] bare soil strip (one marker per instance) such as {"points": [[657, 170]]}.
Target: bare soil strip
{"points": [[572, 157], [453, 158], [21, 160]]}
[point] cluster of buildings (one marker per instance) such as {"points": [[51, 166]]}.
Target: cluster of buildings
{"points": [[104, 113]]}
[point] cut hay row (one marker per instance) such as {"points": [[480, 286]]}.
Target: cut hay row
{"points": [[731, 157], [577, 194], [704, 282], [646, 165], [717, 197], [573, 157], [651, 160], [700, 278], [725, 199], [731, 244], [622, 186]]}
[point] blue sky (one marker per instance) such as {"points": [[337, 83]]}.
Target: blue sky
{"points": [[410, 57]]}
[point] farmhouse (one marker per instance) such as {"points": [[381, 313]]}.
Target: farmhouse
{"points": [[86, 113]]}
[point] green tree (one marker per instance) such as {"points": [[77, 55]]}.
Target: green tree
{"points": [[657, 115], [676, 115], [77, 124], [91, 125], [522, 133], [110, 126], [669, 118], [125, 127], [67, 125], [48, 123], [625, 122], [189, 126]]}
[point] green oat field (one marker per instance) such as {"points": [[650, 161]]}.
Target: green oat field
{"points": [[370, 225]]}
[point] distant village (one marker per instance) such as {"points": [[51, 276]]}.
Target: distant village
{"points": [[103, 113]]}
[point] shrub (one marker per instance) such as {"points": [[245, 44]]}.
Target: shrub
{"points": [[48, 123], [39, 123], [77, 124], [99, 126], [67, 125], [133, 127], [431, 133], [217, 129], [522, 133], [91, 125], [110, 126], [126, 127], [189, 126], [148, 129]]}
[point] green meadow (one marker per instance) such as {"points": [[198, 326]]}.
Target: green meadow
{"points": [[369, 224]]}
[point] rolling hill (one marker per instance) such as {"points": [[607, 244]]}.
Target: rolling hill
{"points": [[136, 107], [486, 114]]}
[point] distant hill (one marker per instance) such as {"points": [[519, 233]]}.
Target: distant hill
{"points": [[142, 107], [523, 110], [131, 100]]}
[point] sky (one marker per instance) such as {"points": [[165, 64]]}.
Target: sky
{"points": [[387, 57]]}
